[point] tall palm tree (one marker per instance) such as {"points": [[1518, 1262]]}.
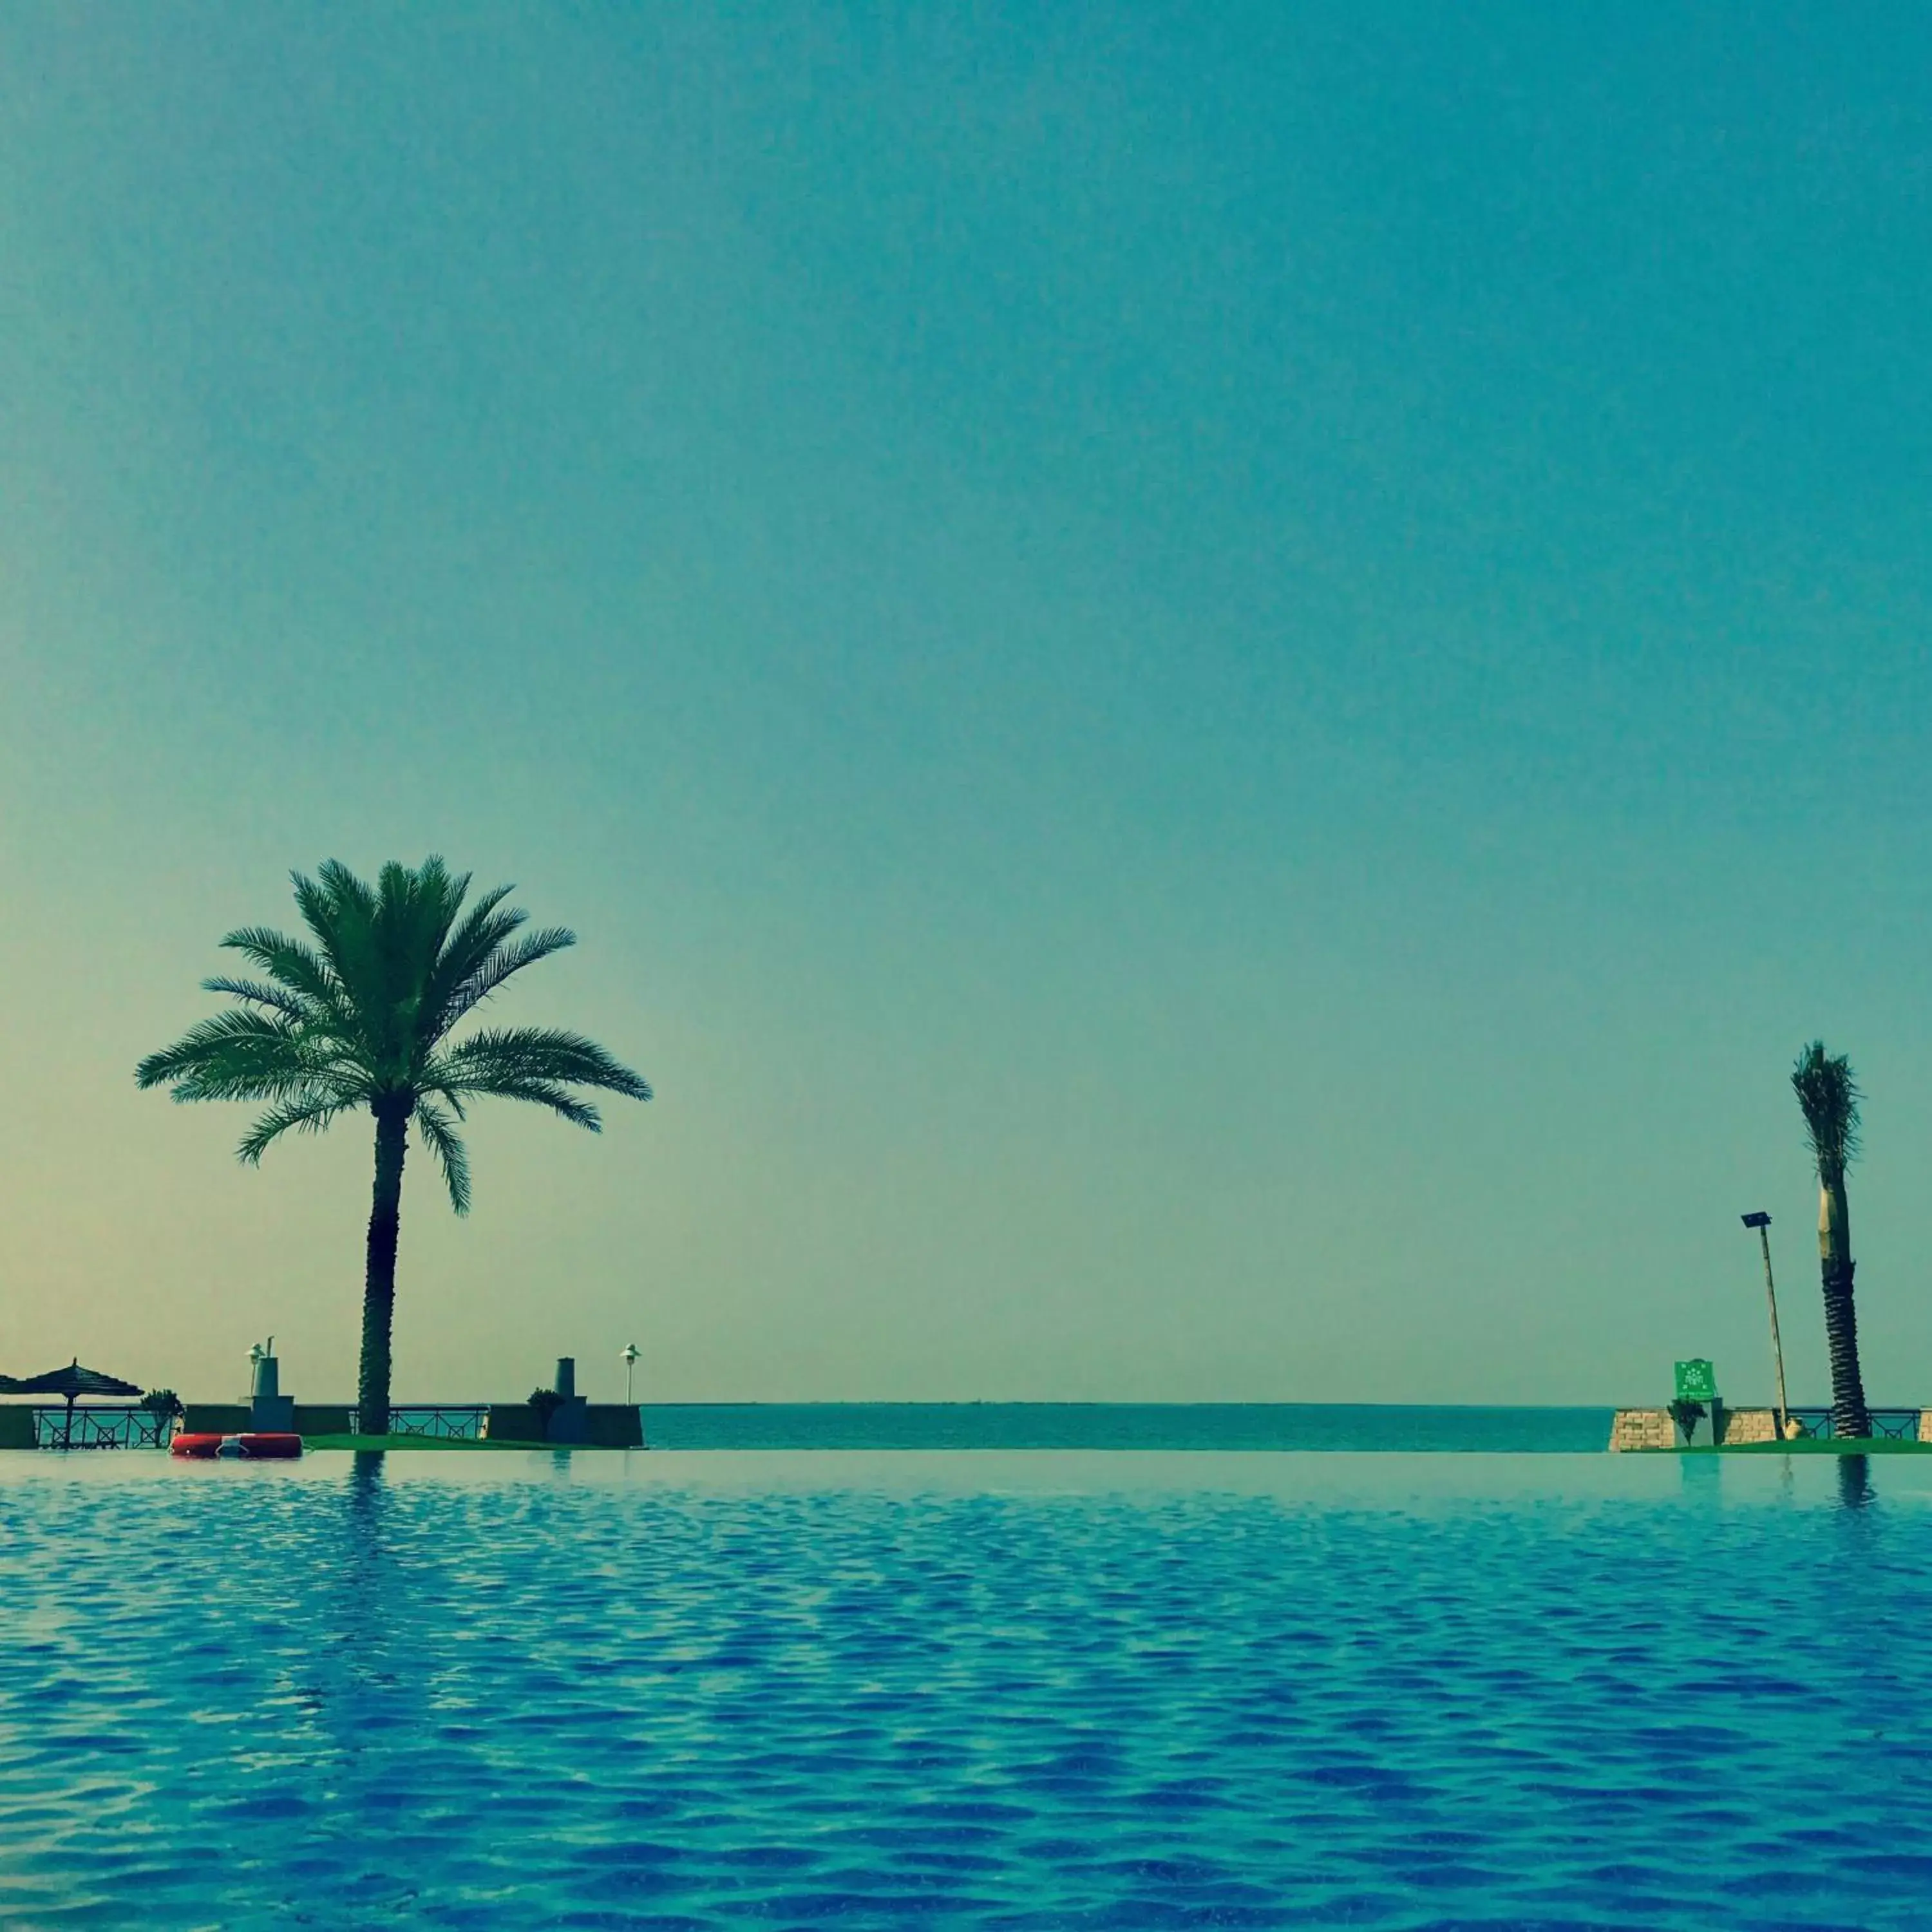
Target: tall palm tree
{"points": [[1828, 1097], [363, 1018]]}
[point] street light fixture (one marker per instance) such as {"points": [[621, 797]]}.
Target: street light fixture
{"points": [[1761, 1222], [629, 1358]]}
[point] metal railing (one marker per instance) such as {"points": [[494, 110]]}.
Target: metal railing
{"points": [[449, 1421], [84, 1426], [1890, 1425]]}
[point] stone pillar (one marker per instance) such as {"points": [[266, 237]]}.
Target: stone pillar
{"points": [[270, 1412], [570, 1421]]}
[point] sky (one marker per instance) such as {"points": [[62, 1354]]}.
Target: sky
{"points": [[1216, 691]]}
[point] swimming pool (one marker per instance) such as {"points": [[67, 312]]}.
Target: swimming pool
{"points": [[986, 1690]]}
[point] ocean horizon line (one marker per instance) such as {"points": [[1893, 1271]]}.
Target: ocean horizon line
{"points": [[1081, 1401]]}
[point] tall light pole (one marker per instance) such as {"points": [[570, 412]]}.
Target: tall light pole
{"points": [[629, 1359], [1762, 1223]]}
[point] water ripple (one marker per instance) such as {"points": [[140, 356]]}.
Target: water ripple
{"points": [[340, 1699]]}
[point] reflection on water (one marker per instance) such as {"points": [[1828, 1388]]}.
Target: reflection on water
{"points": [[963, 1692], [1704, 1478], [362, 1582], [1855, 1486]]}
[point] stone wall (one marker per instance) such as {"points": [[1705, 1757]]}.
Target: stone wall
{"points": [[323, 1418], [513, 1422], [232, 1418], [612, 1425], [1653, 1428], [616, 1425], [214, 1418], [1643, 1428]]}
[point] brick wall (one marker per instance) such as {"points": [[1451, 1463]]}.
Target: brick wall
{"points": [[1643, 1428]]}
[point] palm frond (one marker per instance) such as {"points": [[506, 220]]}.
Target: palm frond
{"points": [[308, 1115], [358, 1013], [277, 999], [465, 949], [340, 910], [440, 1137], [239, 1055], [499, 964], [1828, 1097], [472, 938], [295, 966], [480, 1064], [559, 1100], [458, 965]]}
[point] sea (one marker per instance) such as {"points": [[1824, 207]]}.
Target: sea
{"points": [[1099, 1425], [987, 1684]]}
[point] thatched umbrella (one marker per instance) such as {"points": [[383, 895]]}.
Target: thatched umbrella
{"points": [[71, 1381]]}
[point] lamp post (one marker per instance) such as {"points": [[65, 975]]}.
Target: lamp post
{"points": [[1762, 1223], [629, 1358]]}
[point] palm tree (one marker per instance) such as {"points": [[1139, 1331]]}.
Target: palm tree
{"points": [[1827, 1096], [363, 1018]]}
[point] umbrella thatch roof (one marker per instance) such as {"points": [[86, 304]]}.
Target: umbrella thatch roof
{"points": [[68, 1383]]}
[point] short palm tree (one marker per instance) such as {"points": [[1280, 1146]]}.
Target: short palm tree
{"points": [[363, 1018], [1828, 1097]]}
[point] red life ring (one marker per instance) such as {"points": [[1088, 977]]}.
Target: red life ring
{"points": [[252, 1448]]}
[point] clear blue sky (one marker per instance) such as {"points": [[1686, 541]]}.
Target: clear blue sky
{"points": [[1217, 691]]}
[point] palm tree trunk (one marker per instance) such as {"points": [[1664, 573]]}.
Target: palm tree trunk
{"points": [[379, 1280], [1850, 1418]]}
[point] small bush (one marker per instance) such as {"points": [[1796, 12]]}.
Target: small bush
{"points": [[546, 1402], [1687, 1415]]}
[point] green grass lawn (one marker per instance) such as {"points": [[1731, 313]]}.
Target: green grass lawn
{"points": [[1810, 1445]]}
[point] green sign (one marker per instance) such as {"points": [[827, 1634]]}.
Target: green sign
{"points": [[1696, 1381]]}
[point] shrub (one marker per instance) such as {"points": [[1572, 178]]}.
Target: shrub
{"points": [[1687, 1415]]}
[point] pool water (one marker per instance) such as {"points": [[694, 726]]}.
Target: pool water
{"points": [[979, 1690]]}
